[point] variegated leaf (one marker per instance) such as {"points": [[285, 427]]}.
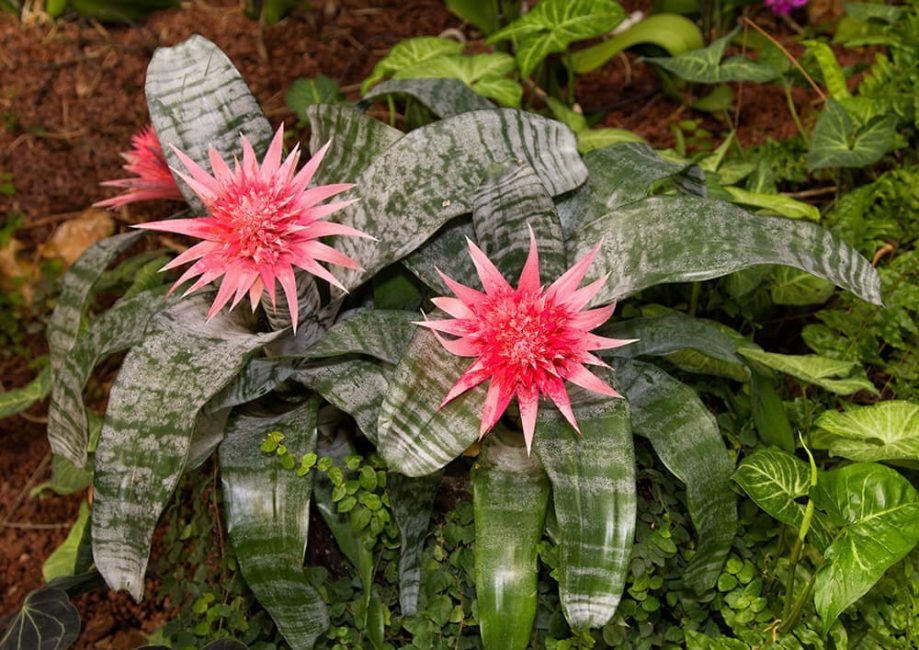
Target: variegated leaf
{"points": [[412, 500], [444, 97], [356, 386], [198, 100], [268, 513], [415, 437], [681, 239], [686, 438], [666, 335], [429, 176], [117, 329], [148, 430], [356, 141], [593, 489], [619, 175], [441, 252], [504, 205], [315, 319], [378, 333], [510, 496], [260, 376], [76, 288]]}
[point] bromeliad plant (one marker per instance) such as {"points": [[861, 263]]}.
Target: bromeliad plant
{"points": [[199, 379]]}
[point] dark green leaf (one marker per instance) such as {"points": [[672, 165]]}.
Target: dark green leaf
{"points": [[769, 413], [47, 621], [306, 92], [382, 334], [837, 142], [412, 501]]}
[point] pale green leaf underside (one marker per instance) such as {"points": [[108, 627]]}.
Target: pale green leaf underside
{"points": [[835, 375], [505, 207], [593, 491], [356, 141], [884, 431], [880, 509], [147, 435], [686, 438], [444, 97], [118, 329], [774, 479], [682, 239], [415, 437], [429, 176], [19, 399], [379, 333], [198, 100], [268, 512]]}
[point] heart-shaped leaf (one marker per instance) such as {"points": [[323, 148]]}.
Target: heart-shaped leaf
{"points": [[47, 621], [884, 431], [705, 65], [838, 143]]}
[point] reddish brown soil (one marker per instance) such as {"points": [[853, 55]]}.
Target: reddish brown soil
{"points": [[71, 95]]}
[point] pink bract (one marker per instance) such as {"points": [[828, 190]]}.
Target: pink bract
{"points": [[152, 178], [263, 222], [527, 341]]}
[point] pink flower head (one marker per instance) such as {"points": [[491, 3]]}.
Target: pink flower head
{"points": [[783, 7], [263, 222], [527, 341], [152, 178]]}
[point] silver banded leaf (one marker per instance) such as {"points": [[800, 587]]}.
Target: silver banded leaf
{"points": [[378, 333], [774, 479], [268, 513], [314, 318], [148, 430], [504, 206], [356, 386], [76, 288], [412, 500], [442, 253], [685, 238], [198, 100], [686, 438], [619, 175], [444, 97], [120, 328], [665, 335], [415, 437], [260, 376], [878, 510], [356, 141], [429, 177], [593, 489]]}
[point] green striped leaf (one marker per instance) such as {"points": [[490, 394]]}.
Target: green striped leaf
{"points": [[505, 204], [510, 495], [429, 177], [619, 175], [412, 500], [686, 438], [314, 318], [76, 289], [379, 333], [593, 489], [775, 479], [120, 328], [682, 239], [443, 97], [260, 376], [198, 100], [356, 386], [268, 513], [441, 252], [356, 141], [19, 399], [148, 433], [671, 335], [415, 437]]}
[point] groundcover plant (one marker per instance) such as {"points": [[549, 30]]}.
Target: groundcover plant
{"points": [[345, 356]]}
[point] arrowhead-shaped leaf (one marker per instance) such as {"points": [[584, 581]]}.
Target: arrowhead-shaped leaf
{"points": [[884, 431], [268, 516], [705, 65], [837, 142], [148, 433]]}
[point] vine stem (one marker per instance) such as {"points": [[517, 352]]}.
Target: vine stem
{"points": [[788, 55]]}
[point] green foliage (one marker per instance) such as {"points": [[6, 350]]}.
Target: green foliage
{"points": [[704, 65], [839, 141], [308, 92]]}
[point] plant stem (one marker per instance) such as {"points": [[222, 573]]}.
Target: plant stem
{"points": [[794, 111], [694, 298], [788, 55]]}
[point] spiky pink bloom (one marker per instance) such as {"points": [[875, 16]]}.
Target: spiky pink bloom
{"points": [[152, 178], [263, 222], [527, 341]]}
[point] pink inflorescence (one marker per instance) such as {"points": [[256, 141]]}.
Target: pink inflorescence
{"points": [[527, 341], [263, 222], [151, 176]]}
